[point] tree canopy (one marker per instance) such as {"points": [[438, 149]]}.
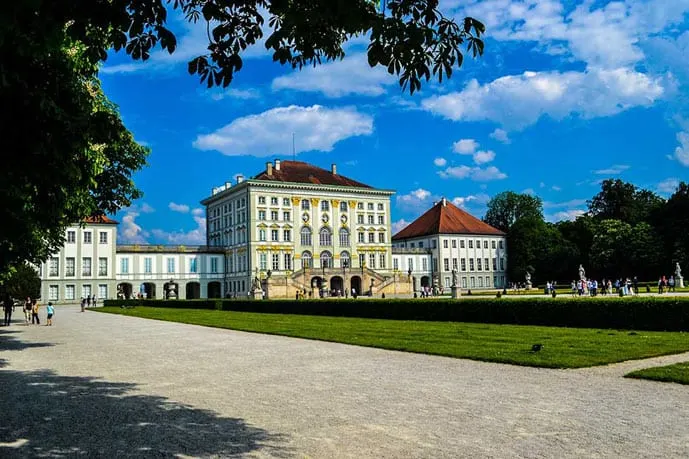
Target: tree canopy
{"points": [[506, 208], [71, 154]]}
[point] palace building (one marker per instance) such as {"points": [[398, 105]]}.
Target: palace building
{"points": [[292, 227]]}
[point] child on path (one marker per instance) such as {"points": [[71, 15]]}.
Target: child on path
{"points": [[27, 310], [34, 313], [51, 311]]}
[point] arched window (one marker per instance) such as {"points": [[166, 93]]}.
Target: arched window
{"points": [[306, 236], [306, 259], [344, 237], [326, 259], [345, 260], [326, 237], [305, 204], [325, 206]]}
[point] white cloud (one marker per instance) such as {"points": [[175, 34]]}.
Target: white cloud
{"points": [[668, 186], [530, 191], [352, 75], [482, 157], [682, 151], [316, 128], [613, 170], [518, 101], [465, 146], [570, 203], [462, 201], [476, 174], [555, 188], [197, 236], [415, 201], [234, 93], [399, 225], [198, 212], [181, 208], [440, 162], [569, 215], [145, 208], [500, 135]]}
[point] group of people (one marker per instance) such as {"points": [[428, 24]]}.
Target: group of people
{"points": [[666, 285], [88, 301], [30, 307]]}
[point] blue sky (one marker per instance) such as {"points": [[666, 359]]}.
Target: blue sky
{"points": [[567, 94]]}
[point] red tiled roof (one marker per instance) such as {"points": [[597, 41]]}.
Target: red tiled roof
{"points": [[446, 219], [301, 172], [102, 219]]}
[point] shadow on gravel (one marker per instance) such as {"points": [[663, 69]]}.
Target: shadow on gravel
{"points": [[9, 343], [47, 415]]}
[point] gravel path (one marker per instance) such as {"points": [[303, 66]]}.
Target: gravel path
{"points": [[102, 385]]}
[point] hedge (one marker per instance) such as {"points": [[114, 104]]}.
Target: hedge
{"points": [[639, 313]]}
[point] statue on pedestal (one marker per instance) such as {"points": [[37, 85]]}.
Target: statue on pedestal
{"points": [[527, 277], [679, 280], [582, 273], [454, 278], [256, 286]]}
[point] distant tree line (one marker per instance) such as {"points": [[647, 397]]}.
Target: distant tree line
{"points": [[626, 232]]}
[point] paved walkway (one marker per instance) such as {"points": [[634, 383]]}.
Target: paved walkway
{"points": [[102, 385]]}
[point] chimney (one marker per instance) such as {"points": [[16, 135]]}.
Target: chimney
{"points": [[434, 203], [277, 164], [228, 185], [240, 179], [333, 168], [444, 202], [269, 168]]}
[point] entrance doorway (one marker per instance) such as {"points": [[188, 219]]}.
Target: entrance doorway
{"points": [[355, 284], [337, 285], [149, 290], [193, 291], [425, 281], [214, 289], [124, 290]]}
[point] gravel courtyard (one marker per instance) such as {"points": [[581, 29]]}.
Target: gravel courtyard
{"points": [[101, 385]]}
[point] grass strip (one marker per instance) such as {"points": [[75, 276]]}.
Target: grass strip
{"points": [[512, 344], [677, 373]]}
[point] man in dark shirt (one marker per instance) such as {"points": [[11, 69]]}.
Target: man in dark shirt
{"points": [[8, 306]]}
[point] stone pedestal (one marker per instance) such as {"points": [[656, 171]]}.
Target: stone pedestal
{"points": [[456, 292], [256, 295], [680, 282], [529, 286]]}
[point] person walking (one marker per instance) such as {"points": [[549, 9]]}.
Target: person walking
{"points": [[88, 301], [8, 306], [34, 313], [95, 299], [27, 310], [51, 310], [83, 304]]}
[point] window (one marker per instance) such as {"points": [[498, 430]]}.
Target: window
{"points": [[193, 265], [288, 262], [464, 282], [461, 244], [454, 243], [102, 266], [345, 260], [326, 237], [485, 244], [343, 206], [412, 245], [360, 219], [371, 238], [273, 215], [478, 264], [380, 206], [103, 237], [102, 291], [485, 263], [492, 243], [495, 264], [410, 264], [69, 292], [274, 235], [446, 264], [305, 236], [344, 237], [454, 264], [463, 264], [85, 290], [325, 206], [471, 244], [275, 261], [170, 265], [362, 259], [424, 264], [434, 244], [471, 264], [372, 260], [263, 261], [86, 266], [445, 243], [273, 201], [480, 281], [435, 264], [306, 259], [305, 205], [500, 244], [286, 216], [361, 238], [261, 235], [286, 235], [381, 220], [71, 237], [370, 206], [69, 266], [502, 264], [395, 264], [360, 206], [326, 259], [53, 292], [478, 244], [421, 244], [261, 214], [371, 220], [447, 282], [148, 265], [473, 282], [87, 237], [262, 200]]}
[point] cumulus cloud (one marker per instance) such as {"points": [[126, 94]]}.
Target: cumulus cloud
{"points": [[181, 208], [440, 162], [465, 146], [518, 101], [555, 188], [613, 170], [482, 157], [129, 231], [682, 151], [234, 93], [668, 186], [568, 215], [463, 201], [476, 174], [196, 236], [352, 75], [198, 212], [500, 135], [399, 225], [414, 201], [316, 128]]}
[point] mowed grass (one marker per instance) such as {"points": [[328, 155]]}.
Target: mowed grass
{"points": [[677, 373], [562, 347]]}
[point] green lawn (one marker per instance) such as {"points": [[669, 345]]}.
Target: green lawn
{"points": [[677, 373], [562, 347]]}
